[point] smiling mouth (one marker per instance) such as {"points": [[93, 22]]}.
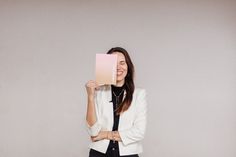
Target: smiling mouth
{"points": [[119, 73]]}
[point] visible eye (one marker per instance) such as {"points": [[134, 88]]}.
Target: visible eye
{"points": [[122, 63]]}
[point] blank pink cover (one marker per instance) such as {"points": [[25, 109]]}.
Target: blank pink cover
{"points": [[106, 68]]}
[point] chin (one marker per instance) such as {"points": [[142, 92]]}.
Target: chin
{"points": [[120, 78]]}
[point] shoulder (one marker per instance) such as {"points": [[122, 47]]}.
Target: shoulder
{"points": [[140, 95], [140, 98], [103, 92], [139, 91], [103, 88]]}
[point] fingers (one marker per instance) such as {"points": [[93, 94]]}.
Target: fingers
{"points": [[92, 84], [94, 138], [97, 85], [90, 87]]}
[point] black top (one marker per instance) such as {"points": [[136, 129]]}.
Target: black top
{"points": [[117, 96]]}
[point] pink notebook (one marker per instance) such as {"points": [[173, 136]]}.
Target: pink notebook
{"points": [[106, 65]]}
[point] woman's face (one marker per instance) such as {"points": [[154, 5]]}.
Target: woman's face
{"points": [[122, 69]]}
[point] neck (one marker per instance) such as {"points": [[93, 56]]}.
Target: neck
{"points": [[120, 83]]}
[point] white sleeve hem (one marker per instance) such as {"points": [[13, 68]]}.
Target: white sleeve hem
{"points": [[94, 129]]}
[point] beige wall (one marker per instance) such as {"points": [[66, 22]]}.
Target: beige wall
{"points": [[184, 53]]}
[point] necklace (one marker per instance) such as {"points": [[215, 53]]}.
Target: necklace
{"points": [[117, 97]]}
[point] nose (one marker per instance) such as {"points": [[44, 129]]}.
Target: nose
{"points": [[118, 66]]}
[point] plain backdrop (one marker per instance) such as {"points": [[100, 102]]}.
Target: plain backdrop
{"points": [[184, 54]]}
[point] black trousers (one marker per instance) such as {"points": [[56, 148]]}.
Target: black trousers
{"points": [[94, 153]]}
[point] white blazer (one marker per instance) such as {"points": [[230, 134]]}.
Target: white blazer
{"points": [[132, 123]]}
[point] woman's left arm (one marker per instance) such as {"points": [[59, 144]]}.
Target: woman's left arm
{"points": [[137, 131]]}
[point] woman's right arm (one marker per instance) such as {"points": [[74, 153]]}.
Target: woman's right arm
{"points": [[91, 112]]}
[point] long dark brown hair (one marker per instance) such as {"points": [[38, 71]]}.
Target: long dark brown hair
{"points": [[129, 80]]}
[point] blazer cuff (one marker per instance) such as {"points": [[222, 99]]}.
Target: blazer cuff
{"points": [[124, 139], [130, 136], [94, 129]]}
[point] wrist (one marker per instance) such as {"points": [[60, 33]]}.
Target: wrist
{"points": [[114, 135], [91, 99], [109, 135]]}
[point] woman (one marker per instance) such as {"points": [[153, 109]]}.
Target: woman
{"points": [[116, 114]]}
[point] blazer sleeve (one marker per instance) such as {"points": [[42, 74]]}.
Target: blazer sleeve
{"points": [[137, 131], [96, 127]]}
